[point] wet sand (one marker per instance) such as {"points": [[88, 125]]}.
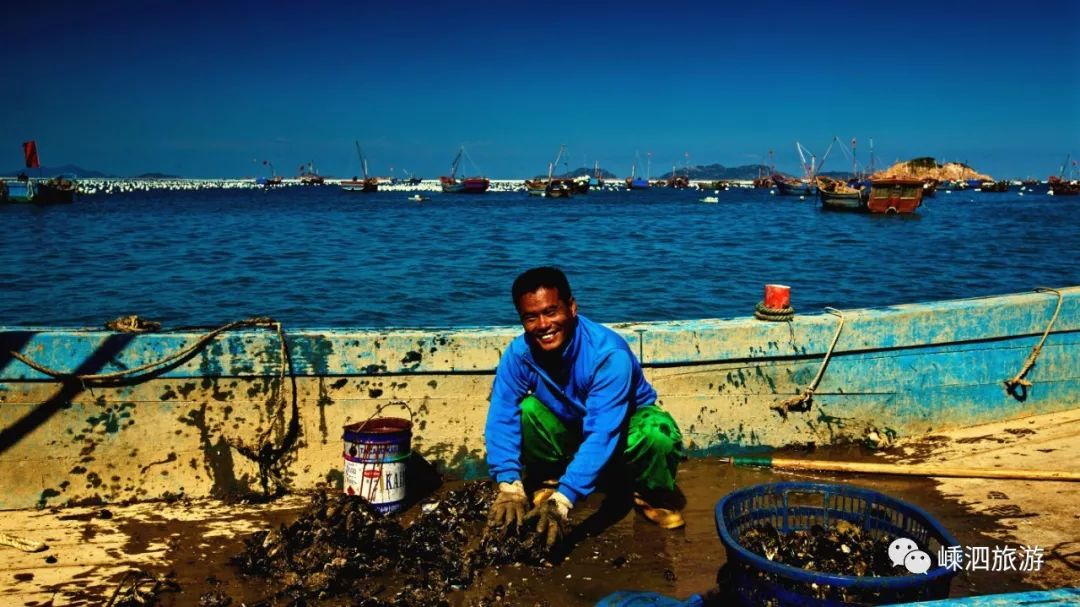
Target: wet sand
{"points": [[90, 548]]}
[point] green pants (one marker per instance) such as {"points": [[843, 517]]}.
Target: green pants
{"points": [[649, 453]]}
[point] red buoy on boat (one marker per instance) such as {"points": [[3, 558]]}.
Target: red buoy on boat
{"points": [[777, 297]]}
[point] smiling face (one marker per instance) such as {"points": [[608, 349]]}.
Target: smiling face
{"points": [[548, 320]]}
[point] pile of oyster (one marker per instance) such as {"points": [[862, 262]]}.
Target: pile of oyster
{"points": [[342, 546]]}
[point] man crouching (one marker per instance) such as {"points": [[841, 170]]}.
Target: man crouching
{"points": [[570, 401]]}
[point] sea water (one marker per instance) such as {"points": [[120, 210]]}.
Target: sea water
{"points": [[319, 257]]}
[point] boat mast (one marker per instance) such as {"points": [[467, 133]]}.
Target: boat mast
{"points": [[551, 166], [454, 165], [363, 161], [854, 163], [648, 166]]}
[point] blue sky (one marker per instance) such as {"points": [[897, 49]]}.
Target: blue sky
{"points": [[202, 90]]}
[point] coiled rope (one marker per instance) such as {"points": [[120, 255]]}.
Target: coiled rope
{"points": [[264, 453], [763, 312], [804, 401], [1017, 386]]}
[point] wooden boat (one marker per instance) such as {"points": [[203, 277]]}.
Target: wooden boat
{"points": [[995, 186], [60, 189], [633, 182], [366, 184], [597, 179], [929, 187], [837, 195], [451, 184], [1060, 187], [789, 186], [713, 185], [17, 190], [57, 190], [677, 181], [895, 195], [309, 176], [552, 187], [196, 424], [273, 180], [581, 184]]}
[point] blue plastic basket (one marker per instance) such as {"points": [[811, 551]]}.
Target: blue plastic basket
{"points": [[798, 506]]}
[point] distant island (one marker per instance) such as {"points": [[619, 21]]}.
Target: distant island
{"points": [[711, 172], [921, 168]]}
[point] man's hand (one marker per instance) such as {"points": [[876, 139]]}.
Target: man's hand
{"points": [[552, 518], [509, 506]]}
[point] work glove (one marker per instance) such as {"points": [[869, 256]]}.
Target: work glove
{"points": [[509, 506], [552, 518]]}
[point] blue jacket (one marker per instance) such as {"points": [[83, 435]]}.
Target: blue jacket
{"points": [[602, 387]]}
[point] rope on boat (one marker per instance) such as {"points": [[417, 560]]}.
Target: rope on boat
{"points": [[1017, 386], [763, 312], [263, 452], [802, 402], [257, 322], [22, 543]]}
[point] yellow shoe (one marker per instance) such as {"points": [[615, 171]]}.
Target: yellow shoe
{"points": [[665, 518]]}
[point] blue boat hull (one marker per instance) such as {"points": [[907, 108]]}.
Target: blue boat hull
{"points": [[182, 428]]}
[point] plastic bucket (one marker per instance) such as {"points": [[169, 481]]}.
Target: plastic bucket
{"points": [[376, 455]]}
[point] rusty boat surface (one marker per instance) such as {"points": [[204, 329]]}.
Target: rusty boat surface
{"points": [[104, 416]]}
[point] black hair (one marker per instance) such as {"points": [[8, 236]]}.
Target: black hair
{"points": [[546, 277]]}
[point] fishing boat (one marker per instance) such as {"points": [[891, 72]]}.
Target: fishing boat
{"points": [[1060, 187], [790, 186], [840, 196], [994, 186], [411, 179], [101, 416], [597, 179], [17, 190], [451, 184], [61, 189], [309, 176], [713, 185], [356, 184], [677, 181], [551, 187], [929, 187], [273, 180], [1061, 184], [892, 195], [633, 182]]}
